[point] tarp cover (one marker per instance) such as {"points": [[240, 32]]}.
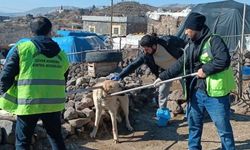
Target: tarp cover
{"points": [[223, 18], [73, 46], [74, 33]]}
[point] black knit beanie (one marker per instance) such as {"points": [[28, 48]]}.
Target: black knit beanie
{"points": [[195, 21]]}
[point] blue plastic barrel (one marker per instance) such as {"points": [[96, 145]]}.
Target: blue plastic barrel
{"points": [[162, 116]]}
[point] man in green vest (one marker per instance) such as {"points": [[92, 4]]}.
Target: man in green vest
{"points": [[208, 55], [32, 85]]}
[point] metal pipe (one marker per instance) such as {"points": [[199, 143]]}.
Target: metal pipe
{"points": [[241, 53], [111, 21], [152, 85]]}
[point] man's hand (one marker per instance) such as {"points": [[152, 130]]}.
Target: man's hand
{"points": [[156, 83], [201, 74], [115, 78]]}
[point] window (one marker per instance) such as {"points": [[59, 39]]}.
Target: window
{"points": [[116, 30], [91, 28]]}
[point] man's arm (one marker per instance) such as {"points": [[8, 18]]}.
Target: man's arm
{"points": [[10, 70], [174, 70], [132, 67], [221, 58]]}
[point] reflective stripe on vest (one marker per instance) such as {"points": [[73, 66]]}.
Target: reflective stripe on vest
{"points": [[7, 99], [40, 82], [33, 101], [218, 84]]}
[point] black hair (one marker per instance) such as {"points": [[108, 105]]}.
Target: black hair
{"points": [[154, 34], [149, 40], [41, 26]]}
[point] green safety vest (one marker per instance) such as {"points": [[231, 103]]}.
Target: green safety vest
{"points": [[40, 84], [218, 84]]}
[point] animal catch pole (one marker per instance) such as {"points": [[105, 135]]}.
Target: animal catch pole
{"points": [[152, 85]]}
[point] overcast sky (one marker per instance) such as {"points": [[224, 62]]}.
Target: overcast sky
{"points": [[25, 5]]}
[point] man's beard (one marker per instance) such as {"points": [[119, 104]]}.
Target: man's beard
{"points": [[153, 50]]}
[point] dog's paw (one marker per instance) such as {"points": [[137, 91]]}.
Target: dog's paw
{"points": [[116, 141], [92, 134]]}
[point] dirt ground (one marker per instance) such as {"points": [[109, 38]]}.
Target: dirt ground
{"points": [[147, 135]]}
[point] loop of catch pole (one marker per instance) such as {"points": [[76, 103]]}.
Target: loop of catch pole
{"points": [[152, 85]]}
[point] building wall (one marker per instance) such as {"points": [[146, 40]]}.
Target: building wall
{"points": [[127, 25], [104, 27], [135, 28], [137, 25], [104, 18], [165, 25]]}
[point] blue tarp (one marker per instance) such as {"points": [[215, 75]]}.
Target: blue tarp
{"points": [[74, 33], [73, 46]]}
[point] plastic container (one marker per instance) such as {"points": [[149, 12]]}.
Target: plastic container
{"points": [[162, 116], [246, 72]]}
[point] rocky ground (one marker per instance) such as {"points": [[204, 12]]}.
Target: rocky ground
{"points": [[148, 135]]}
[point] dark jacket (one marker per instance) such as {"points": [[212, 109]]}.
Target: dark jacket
{"points": [[172, 44], [45, 45], [220, 53]]}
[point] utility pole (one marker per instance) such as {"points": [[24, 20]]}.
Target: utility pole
{"points": [[111, 20]]}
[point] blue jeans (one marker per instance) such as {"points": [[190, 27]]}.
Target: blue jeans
{"points": [[25, 126], [218, 109]]}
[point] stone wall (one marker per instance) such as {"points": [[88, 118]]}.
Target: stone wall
{"points": [[165, 25]]}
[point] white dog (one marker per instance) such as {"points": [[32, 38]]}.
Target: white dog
{"points": [[102, 100]]}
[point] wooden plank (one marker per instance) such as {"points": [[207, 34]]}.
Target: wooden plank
{"points": [[101, 68]]}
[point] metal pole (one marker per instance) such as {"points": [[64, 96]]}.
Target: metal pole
{"points": [[111, 20], [152, 85], [120, 42], [241, 53]]}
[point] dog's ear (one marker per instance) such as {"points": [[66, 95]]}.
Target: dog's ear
{"points": [[106, 85]]}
